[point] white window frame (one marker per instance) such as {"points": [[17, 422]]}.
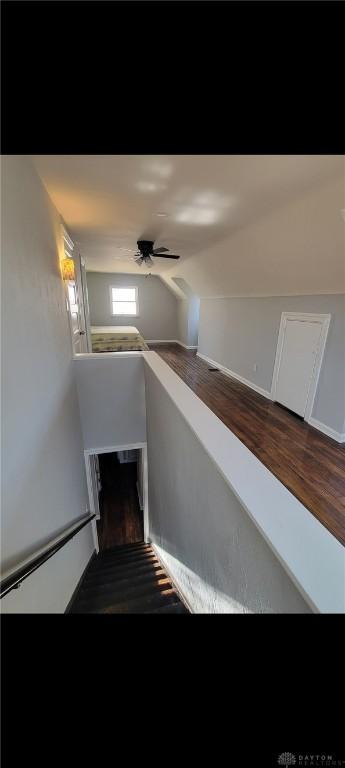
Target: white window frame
{"points": [[125, 287]]}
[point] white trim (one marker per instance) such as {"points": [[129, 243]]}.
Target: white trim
{"points": [[233, 375], [340, 438], [311, 555], [114, 449], [324, 321], [125, 288], [172, 578], [141, 503], [69, 242], [186, 346], [105, 355]]}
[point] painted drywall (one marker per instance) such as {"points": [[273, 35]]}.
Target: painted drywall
{"points": [[193, 321], [157, 304], [182, 320], [38, 593], [188, 320], [111, 393], [206, 538], [241, 333], [187, 314], [43, 476], [296, 248]]}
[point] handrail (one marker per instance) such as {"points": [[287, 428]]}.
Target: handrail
{"points": [[14, 580]]}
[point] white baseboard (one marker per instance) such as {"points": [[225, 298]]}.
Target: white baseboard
{"points": [[185, 345], [340, 438], [168, 341], [236, 376], [327, 430]]}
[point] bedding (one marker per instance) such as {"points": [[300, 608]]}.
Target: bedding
{"points": [[117, 338]]}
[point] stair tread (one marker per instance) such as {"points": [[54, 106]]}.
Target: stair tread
{"points": [[127, 579], [176, 607], [115, 570], [142, 604], [122, 585], [124, 550], [123, 594], [115, 575]]}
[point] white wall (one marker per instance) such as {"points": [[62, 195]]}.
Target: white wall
{"points": [[182, 320], [111, 392], [205, 530], [205, 537], [157, 304], [44, 484], [242, 332]]}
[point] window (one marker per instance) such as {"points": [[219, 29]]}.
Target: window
{"points": [[124, 301]]}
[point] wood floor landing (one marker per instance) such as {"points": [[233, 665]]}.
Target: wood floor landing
{"points": [[127, 579], [121, 517], [310, 464]]}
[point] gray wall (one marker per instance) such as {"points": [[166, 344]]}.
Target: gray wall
{"points": [[188, 321], [111, 393], [182, 321], [206, 538], [239, 332], [43, 476], [157, 304]]}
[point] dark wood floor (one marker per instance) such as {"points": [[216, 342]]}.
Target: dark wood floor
{"points": [[310, 464], [121, 518], [127, 579]]}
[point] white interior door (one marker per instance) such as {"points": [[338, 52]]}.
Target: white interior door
{"points": [[75, 317], [298, 355]]}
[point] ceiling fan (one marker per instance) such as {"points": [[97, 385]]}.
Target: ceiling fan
{"points": [[146, 250]]}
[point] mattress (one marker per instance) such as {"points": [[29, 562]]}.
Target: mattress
{"points": [[118, 331], [116, 338]]}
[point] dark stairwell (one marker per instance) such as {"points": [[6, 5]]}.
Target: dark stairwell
{"points": [[127, 579]]}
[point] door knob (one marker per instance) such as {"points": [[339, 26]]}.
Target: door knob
{"points": [[82, 333]]}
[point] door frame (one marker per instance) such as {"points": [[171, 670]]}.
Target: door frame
{"points": [[94, 503], [324, 321]]}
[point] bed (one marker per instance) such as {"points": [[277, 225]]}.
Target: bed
{"points": [[116, 338]]}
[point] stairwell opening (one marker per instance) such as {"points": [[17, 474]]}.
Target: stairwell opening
{"points": [[117, 483]]}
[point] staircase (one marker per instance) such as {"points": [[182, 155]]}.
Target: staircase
{"points": [[127, 579]]}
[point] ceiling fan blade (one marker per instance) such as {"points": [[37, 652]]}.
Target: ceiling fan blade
{"points": [[148, 261], [160, 250], [165, 256], [139, 260]]}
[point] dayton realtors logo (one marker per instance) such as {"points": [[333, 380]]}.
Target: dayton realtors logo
{"points": [[286, 758], [309, 761]]}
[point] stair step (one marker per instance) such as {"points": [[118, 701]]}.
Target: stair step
{"points": [[121, 585], [127, 579], [142, 604], [115, 566], [113, 558], [123, 595], [124, 549], [176, 607], [114, 575]]}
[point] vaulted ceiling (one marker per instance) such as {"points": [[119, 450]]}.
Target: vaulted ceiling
{"points": [[195, 205]]}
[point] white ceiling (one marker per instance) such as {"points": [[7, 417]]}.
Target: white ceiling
{"points": [[108, 202], [214, 206]]}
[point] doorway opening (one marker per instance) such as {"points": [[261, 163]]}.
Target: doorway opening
{"points": [[117, 482]]}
